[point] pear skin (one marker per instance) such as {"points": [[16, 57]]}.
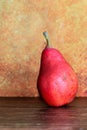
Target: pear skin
{"points": [[57, 82]]}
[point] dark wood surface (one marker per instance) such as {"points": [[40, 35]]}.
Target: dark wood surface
{"points": [[34, 114]]}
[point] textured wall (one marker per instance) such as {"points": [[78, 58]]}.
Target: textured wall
{"points": [[21, 41]]}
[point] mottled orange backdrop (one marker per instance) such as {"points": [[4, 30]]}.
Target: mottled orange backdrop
{"points": [[21, 41]]}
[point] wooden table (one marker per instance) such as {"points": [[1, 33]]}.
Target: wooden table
{"points": [[34, 114]]}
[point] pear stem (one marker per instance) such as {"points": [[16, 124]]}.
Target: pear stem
{"points": [[47, 38]]}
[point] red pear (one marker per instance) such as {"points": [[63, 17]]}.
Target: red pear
{"points": [[57, 82]]}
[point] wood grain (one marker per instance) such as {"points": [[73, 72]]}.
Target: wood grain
{"points": [[34, 114]]}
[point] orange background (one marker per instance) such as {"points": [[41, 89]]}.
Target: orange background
{"points": [[21, 41]]}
